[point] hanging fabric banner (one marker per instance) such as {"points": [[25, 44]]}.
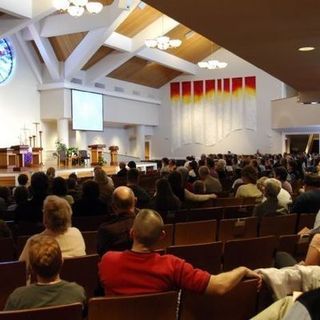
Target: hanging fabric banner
{"points": [[219, 108], [227, 109], [250, 103], [175, 95], [237, 104], [198, 112], [210, 122], [186, 113]]}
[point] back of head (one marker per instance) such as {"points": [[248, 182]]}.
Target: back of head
{"points": [[132, 165], [165, 161], [261, 183], [272, 188], [204, 171], [56, 214], [59, 186], [133, 176], [74, 176], [312, 180], [199, 187], [147, 227], [51, 172], [99, 175], [22, 179], [4, 193], [249, 174], [184, 174], [123, 200], [71, 183], [281, 173], [39, 184], [90, 190], [163, 187], [122, 165], [45, 256], [21, 195]]}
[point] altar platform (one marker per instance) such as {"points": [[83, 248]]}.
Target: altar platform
{"points": [[8, 177]]}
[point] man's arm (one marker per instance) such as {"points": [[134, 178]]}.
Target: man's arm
{"points": [[224, 282]]}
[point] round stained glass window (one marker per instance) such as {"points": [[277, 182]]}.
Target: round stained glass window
{"points": [[6, 60]]}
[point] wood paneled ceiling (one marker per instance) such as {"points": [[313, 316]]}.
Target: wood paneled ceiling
{"points": [[64, 45], [138, 20], [265, 33], [194, 48], [143, 72]]}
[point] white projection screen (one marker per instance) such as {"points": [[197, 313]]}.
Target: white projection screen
{"points": [[87, 111]]}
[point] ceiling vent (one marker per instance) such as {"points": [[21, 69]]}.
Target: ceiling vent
{"points": [[118, 89], [99, 85], [76, 80]]}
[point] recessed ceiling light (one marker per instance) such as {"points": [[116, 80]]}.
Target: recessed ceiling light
{"points": [[304, 49]]}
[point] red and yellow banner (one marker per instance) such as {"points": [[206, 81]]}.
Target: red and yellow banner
{"points": [[186, 92], [175, 91]]}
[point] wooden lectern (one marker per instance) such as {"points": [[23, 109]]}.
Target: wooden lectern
{"points": [[19, 151], [96, 153], [114, 155], [36, 157], [7, 158]]}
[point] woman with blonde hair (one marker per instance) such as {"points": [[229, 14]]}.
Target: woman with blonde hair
{"points": [[106, 186], [57, 221]]}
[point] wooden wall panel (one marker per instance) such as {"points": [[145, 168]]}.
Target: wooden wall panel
{"points": [[138, 20], [146, 73]]}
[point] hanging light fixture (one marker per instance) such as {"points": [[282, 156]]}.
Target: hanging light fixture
{"points": [[163, 42], [76, 8], [212, 64]]}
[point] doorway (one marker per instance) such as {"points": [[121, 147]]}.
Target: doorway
{"points": [[147, 150]]}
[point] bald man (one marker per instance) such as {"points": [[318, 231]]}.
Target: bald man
{"points": [[142, 271], [114, 234]]}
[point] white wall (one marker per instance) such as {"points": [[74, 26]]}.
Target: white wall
{"points": [[245, 141], [20, 102]]}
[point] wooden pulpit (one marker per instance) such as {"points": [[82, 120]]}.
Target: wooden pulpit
{"points": [[96, 153], [114, 155], [7, 158], [36, 157], [19, 151]]}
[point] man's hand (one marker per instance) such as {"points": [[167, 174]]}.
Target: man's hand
{"points": [[252, 274]]}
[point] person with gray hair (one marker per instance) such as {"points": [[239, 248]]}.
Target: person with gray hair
{"points": [[57, 221], [143, 271], [271, 206], [212, 184]]}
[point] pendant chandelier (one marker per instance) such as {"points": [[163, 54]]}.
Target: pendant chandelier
{"points": [[77, 8]]}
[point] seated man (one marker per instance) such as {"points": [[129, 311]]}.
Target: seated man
{"points": [[142, 271], [49, 290], [114, 234]]}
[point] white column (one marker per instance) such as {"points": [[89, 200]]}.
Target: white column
{"points": [[63, 130], [81, 140], [140, 141]]}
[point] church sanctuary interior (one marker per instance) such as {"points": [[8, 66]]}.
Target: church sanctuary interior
{"points": [[159, 159]]}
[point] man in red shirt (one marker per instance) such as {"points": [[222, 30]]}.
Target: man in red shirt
{"points": [[142, 271]]}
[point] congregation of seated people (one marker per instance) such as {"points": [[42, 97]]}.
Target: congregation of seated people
{"points": [[133, 207]]}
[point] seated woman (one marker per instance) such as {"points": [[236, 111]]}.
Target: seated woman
{"points": [[271, 206], [89, 204], [57, 221], [59, 188], [249, 188], [164, 199]]}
